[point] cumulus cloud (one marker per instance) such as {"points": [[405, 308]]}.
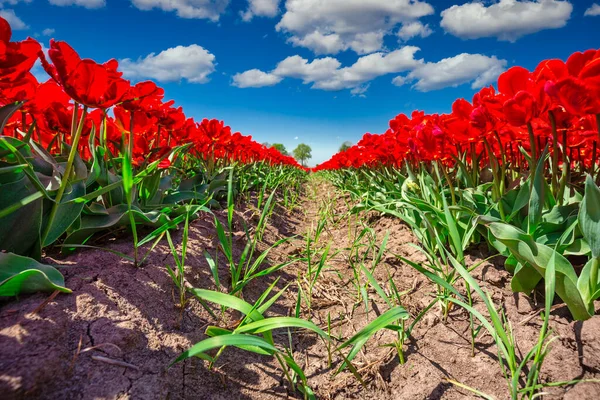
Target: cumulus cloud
{"points": [[255, 78], [260, 8], [506, 20], [82, 3], [593, 11], [454, 71], [192, 63], [327, 73], [414, 29], [48, 32], [199, 9], [15, 22], [328, 27]]}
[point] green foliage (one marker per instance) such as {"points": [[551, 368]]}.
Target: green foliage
{"points": [[345, 146], [281, 148], [302, 153], [61, 200], [21, 275], [387, 320], [244, 336]]}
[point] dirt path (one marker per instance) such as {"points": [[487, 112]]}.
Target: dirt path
{"points": [[116, 334]]}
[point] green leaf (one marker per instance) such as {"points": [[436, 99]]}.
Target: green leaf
{"points": [[527, 251], [521, 199], [223, 240], [224, 340], [525, 278], [496, 328], [589, 216], [586, 285], [358, 341], [433, 277], [67, 212], [149, 187], [114, 217], [538, 193], [268, 324], [19, 275], [373, 282], [7, 111], [230, 204], [213, 268], [229, 301], [127, 174], [213, 331], [21, 223]]}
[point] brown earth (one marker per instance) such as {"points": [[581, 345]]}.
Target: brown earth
{"points": [[115, 336]]}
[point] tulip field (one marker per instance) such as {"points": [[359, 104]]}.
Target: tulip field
{"points": [[146, 255]]}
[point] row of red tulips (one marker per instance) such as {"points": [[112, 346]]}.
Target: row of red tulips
{"points": [[558, 104], [81, 91]]}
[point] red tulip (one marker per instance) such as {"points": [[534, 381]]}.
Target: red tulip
{"points": [[574, 95], [87, 82], [513, 81], [577, 61], [21, 90], [521, 109], [144, 96], [16, 58]]}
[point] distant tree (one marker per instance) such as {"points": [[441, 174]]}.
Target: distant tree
{"points": [[345, 146], [281, 148], [267, 144], [302, 153]]}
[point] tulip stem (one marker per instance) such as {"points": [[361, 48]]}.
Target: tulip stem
{"points": [[593, 160], [130, 196], [533, 148], [474, 164], [594, 275], [73, 126], [76, 135], [554, 154], [157, 143]]}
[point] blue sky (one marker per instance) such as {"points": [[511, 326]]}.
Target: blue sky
{"points": [[319, 72]]}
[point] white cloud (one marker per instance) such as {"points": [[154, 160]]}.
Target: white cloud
{"points": [[454, 71], [260, 8], [399, 80], [328, 27], [15, 22], [360, 90], [506, 20], [255, 78], [82, 3], [319, 43], [200, 9], [192, 63], [297, 67], [414, 29], [362, 43], [593, 11], [48, 32], [328, 74]]}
